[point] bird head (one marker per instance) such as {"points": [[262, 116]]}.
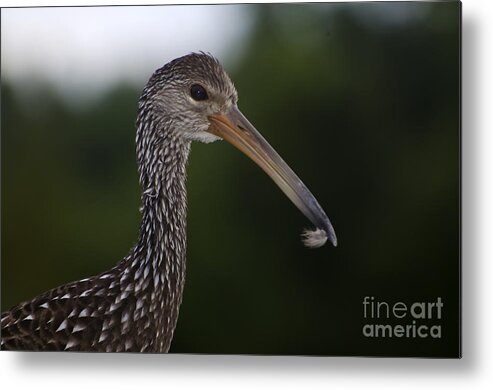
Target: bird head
{"points": [[198, 101], [187, 91]]}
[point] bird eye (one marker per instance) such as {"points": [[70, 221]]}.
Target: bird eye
{"points": [[198, 92]]}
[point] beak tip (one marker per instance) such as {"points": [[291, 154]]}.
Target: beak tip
{"points": [[332, 236]]}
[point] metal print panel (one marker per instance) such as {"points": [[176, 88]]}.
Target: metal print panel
{"points": [[277, 179]]}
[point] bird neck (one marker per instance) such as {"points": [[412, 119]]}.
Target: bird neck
{"points": [[162, 237], [157, 263]]}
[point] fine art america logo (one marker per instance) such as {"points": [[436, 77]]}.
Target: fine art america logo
{"points": [[402, 320]]}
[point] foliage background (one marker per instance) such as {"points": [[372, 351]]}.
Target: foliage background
{"points": [[367, 114]]}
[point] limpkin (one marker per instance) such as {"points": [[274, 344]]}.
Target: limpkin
{"points": [[134, 306]]}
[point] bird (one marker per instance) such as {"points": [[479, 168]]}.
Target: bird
{"points": [[134, 306]]}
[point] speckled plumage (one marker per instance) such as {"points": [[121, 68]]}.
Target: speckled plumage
{"points": [[133, 306]]}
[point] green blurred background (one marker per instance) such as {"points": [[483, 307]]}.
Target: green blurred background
{"points": [[362, 101]]}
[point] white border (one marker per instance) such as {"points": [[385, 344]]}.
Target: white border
{"points": [[474, 371]]}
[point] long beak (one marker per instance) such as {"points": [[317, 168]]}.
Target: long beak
{"points": [[237, 130]]}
